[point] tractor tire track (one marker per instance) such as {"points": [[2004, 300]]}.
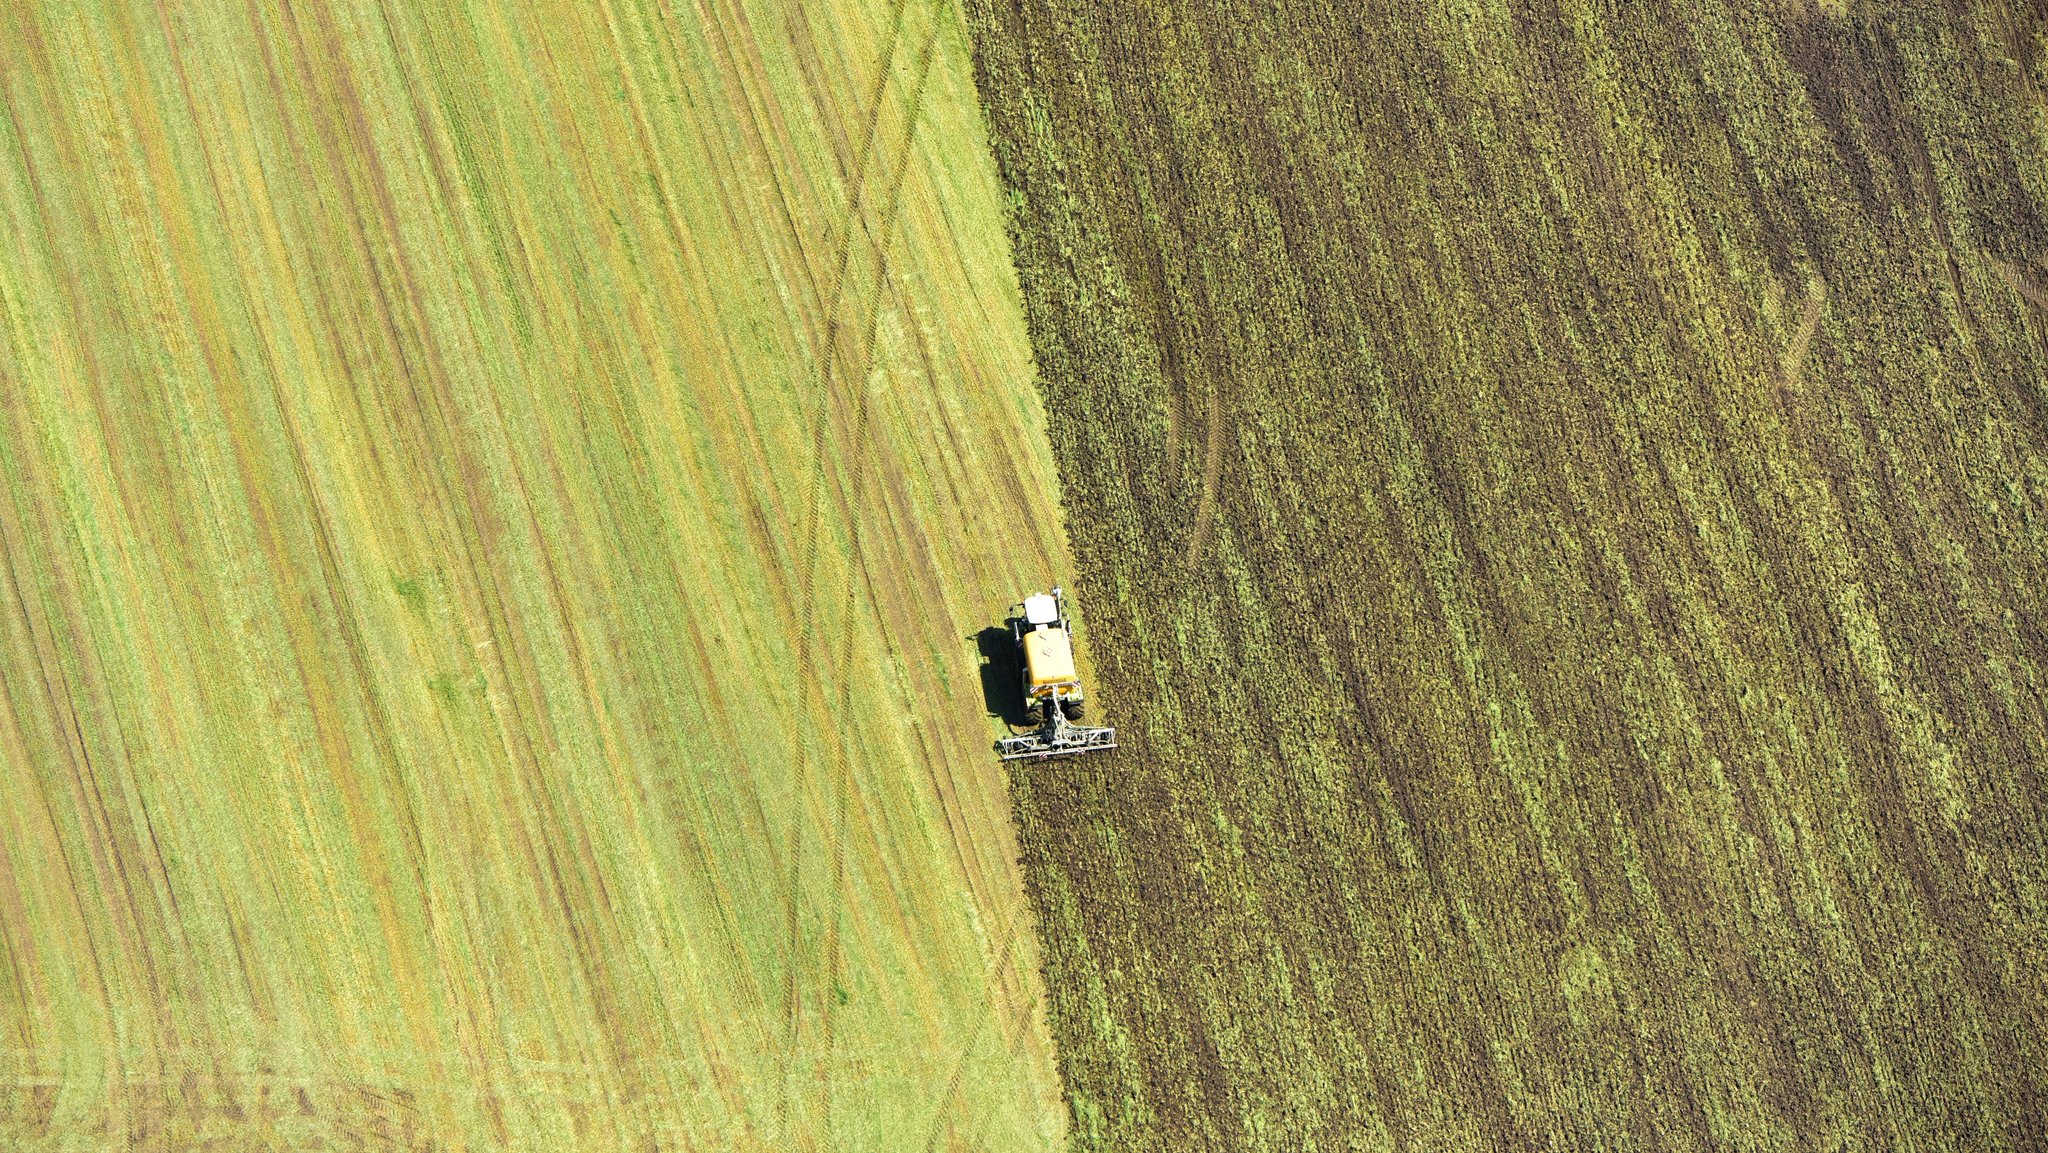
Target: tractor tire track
{"points": [[2019, 283], [1212, 476], [953, 1080], [1793, 365], [856, 576], [882, 237], [826, 358]]}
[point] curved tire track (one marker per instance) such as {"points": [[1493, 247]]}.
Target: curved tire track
{"points": [[830, 381]]}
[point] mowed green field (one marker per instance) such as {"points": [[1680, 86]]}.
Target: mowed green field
{"points": [[495, 500], [1561, 493]]}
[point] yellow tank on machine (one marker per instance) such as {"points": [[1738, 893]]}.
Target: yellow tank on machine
{"points": [[1049, 656]]}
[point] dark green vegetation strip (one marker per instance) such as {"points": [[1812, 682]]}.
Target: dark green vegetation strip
{"points": [[1563, 516]]}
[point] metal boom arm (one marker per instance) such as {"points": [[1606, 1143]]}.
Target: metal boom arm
{"points": [[1058, 737]]}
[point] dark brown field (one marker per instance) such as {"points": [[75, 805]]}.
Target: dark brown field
{"points": [[1561, 500]]}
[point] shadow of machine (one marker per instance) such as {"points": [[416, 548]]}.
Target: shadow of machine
{"points": [[1001, 671]]}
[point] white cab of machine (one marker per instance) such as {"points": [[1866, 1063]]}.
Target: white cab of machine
{"points": [[1041, 610]]}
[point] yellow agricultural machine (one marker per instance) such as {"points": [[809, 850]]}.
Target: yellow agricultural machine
{"points": [[1053, 700]]}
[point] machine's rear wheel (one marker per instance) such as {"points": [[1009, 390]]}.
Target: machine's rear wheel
{"points": [[1034, 713], [1074, 706]]}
